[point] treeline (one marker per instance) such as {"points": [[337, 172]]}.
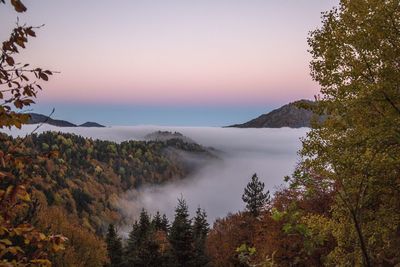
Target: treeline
{"points": [[189, 242], [154, 242]]}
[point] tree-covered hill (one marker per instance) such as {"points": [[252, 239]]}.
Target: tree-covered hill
{"points": [[85, 176], [75, 182]]}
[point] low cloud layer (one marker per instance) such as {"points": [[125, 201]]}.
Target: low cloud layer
{"points": [[217, 187]]}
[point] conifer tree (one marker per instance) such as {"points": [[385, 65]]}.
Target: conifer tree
{"points": [[254, 196], [200, 231], [181, 237], [165, 223], [144, 226], [131, 243], [139, 232], [142, 249], [157, 221], [114, 247]]}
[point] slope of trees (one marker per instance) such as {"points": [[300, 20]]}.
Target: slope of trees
{"points": [[86, 175], [78, 180]]}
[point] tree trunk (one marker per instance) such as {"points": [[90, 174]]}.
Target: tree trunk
{"points": [[364, 250]]}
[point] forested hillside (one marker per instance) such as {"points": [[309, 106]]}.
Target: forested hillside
{"points": [[85, 176], [76, 181]]}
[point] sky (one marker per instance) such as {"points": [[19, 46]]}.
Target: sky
{"points": [[170, 62]]}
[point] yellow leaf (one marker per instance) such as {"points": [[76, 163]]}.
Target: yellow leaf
{"points": [[25, 197], [42, 236], [6, 241]]}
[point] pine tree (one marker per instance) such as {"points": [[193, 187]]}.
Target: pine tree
{"points": [[254, 196], [144, 226], [139, 232], [131, 244], [142, 249], [157, 221], [164, 223], [114, 247], [181, 237], [200, 231]]}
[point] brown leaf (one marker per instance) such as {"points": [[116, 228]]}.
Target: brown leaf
{"points": [[30, 32], [20, 42], [10, 61], [18, 104], [18, 6], [43, 76]]}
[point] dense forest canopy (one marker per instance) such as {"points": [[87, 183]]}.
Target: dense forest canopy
{"points": [[79, 180], [86, 176]]}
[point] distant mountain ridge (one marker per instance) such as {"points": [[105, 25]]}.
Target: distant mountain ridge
{"points": [[91, 124], [289, 115], [36, 118]]}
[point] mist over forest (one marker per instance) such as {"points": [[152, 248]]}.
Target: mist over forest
{"points": [[218, 185], [260, 192]]}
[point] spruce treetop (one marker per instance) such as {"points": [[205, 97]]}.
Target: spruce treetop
{"points": [[254, 196]]}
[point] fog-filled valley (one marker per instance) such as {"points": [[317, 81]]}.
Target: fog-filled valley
{"points": [[218, 185], [200, 133]]}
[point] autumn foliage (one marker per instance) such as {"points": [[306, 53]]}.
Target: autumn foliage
{"points": [[21, 242], [59, 192], [340, 207]]}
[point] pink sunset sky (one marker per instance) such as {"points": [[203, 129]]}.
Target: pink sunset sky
{"points": [[161, 52]]}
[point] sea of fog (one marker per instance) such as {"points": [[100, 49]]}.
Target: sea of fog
{"points": [[217, 187]]}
